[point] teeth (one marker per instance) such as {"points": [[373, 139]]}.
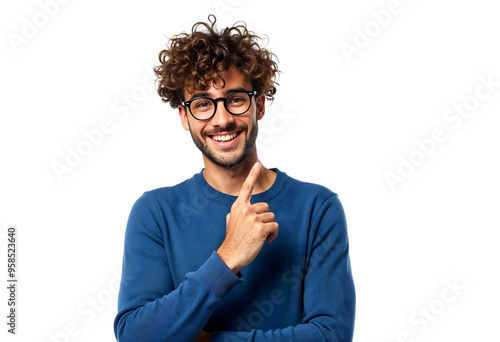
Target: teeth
{"points": [[224, 137]]}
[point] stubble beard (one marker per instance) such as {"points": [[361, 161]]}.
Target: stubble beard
{"points": [[236, 156]]}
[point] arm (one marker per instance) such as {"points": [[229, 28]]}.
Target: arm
{"points": [[149, 308], [329, 296]]}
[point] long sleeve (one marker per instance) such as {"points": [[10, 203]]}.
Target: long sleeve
{"points": [[149, 308], [329, 294]]}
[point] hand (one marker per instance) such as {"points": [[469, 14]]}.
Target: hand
{"points": [[248, 226], [203, 337]]}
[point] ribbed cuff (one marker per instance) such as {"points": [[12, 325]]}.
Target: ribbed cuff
{"points": [[220, 277]]}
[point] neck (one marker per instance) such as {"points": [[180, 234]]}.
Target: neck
{"points": [[229, 180]]}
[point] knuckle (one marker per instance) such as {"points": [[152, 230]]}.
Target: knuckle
{"points": [[260, 228]]}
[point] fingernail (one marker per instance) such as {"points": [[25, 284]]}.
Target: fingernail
{"points": [[256, 165]]}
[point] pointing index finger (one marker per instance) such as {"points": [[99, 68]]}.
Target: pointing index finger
{"points": [[247, 187]]}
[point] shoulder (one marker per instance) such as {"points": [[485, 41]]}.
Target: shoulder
{"points": [[172, 192], [319, 203], [156, 199], [309, 189], [310, 196]]}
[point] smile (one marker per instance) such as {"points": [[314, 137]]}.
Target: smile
{"points": [[225, 137]]}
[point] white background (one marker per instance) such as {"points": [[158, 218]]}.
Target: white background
{"points": [[348, 120]]}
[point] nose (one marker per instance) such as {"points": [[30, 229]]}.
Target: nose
{"points": [[222, 117]]}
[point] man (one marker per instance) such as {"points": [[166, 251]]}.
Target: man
{"points": [[203, 260]]}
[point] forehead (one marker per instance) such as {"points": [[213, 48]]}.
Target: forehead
{"points": [[233, 79]]}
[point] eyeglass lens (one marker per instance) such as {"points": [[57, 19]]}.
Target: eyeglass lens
{"points": [[236, 103]]}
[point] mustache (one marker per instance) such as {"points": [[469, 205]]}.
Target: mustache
{"points": [[227, 128]]}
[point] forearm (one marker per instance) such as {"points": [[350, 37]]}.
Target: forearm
{"points": [[329, 295], [320, 329], [180, 314]]}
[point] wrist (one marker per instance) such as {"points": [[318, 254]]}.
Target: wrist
{"points": [[233, 265]]}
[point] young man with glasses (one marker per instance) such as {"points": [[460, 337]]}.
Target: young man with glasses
{"points": [[203, 260]]}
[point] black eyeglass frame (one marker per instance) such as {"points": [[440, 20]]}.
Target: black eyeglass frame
{"points": [[214, 101]]}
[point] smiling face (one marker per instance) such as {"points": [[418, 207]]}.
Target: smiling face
{"points": [[225, 139]]}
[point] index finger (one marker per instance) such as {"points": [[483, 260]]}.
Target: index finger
{"points": [[247, 187]]}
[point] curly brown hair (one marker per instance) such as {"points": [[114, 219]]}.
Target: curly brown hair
{"points": [[192, 61]]}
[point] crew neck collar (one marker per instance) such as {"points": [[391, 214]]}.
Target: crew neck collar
{"points": [[225, 199]]}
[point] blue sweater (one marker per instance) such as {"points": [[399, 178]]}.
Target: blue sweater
{"points": [[299, 287]]}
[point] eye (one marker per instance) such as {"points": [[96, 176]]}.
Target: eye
{"points": [[236, 99], [201, 104]]}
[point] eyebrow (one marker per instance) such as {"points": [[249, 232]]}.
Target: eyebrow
{"points": [[207, 94]]}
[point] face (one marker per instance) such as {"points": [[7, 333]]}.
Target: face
{"points": [[225, 139]]}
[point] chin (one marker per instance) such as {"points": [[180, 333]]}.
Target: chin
{"points": [[226, 162]]}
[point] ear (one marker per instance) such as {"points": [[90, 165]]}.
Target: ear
{"points": [[183, 116], [261, 106]]}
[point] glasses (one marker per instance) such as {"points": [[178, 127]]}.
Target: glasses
{"points": [[204, 108]]}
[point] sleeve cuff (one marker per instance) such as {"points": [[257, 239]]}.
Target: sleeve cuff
{"points": [[219, 276]]}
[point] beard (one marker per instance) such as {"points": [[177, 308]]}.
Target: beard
{"points": [[224, 159]]}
